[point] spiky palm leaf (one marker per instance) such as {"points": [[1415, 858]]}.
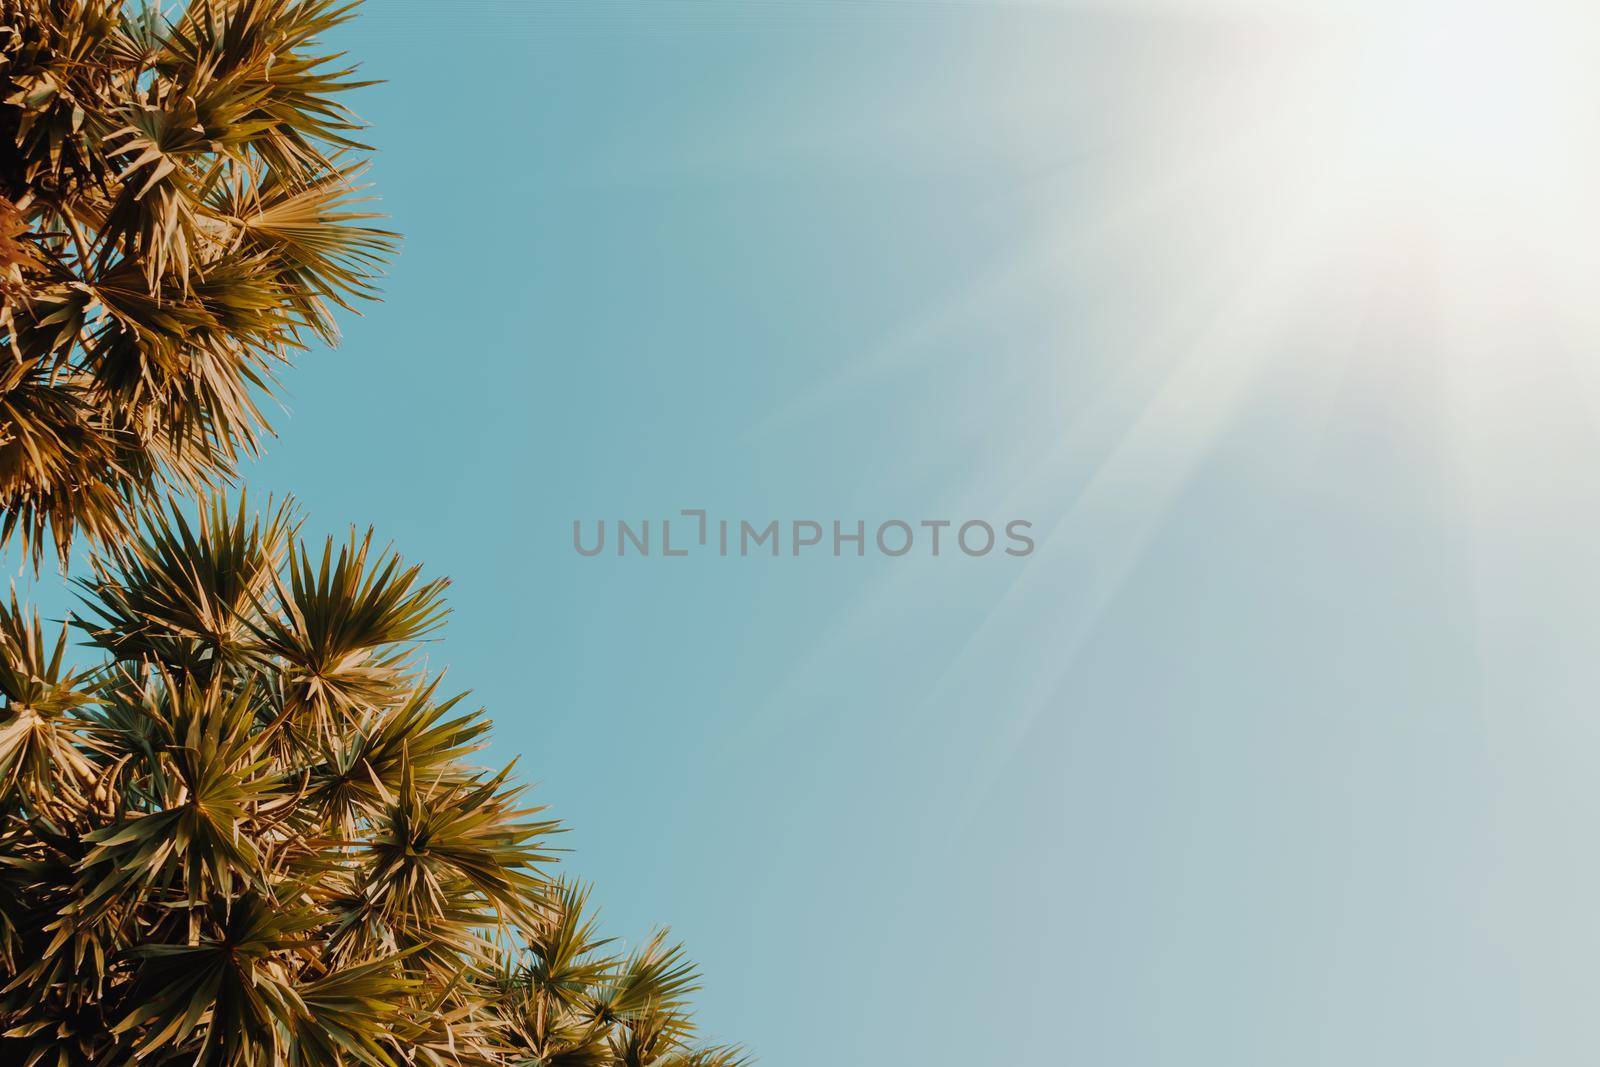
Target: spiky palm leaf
{"points": [[179, 213], [207, 859]]}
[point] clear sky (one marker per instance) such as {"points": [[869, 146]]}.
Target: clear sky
{"points": [[1280, 747]]}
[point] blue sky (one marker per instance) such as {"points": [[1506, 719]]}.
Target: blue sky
{"points": [[1279, 747]]}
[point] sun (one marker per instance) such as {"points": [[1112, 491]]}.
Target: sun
{"points": [[1482, 106], [1464, 135]]}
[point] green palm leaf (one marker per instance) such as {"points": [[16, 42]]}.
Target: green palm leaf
{"points": [[179, 211], [207, 858]]}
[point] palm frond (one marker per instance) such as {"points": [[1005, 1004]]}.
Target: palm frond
{"points": [[255, 836], [180, 213]]}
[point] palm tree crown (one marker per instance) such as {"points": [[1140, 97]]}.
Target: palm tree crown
{"points": [[178, 211], [255, 834]]}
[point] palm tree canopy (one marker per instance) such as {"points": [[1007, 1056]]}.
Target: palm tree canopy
{"points": [[256, 835], [179, 213]]}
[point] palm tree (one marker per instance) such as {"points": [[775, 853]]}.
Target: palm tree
{"points": [[179, 214], [255, 835]]}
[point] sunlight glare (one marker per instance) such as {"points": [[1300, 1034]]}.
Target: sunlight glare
{"points": [[1472, 103]]}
